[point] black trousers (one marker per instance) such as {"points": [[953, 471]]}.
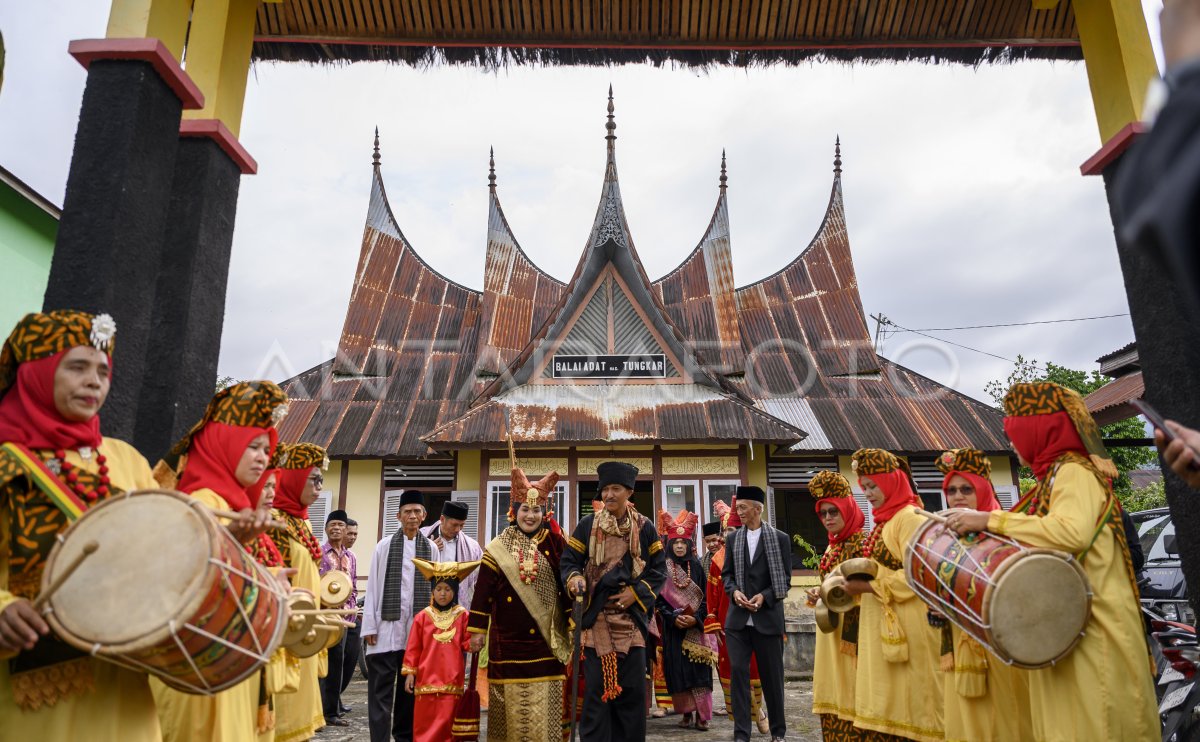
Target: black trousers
{"points": [[620, 720], [331, 684], [350, 658], [768, 650], [389, 708]]}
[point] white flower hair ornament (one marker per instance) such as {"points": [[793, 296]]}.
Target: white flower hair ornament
{"points": [[104, 327]]}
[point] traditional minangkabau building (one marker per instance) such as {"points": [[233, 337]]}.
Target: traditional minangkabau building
{"points": [[701, 384]]}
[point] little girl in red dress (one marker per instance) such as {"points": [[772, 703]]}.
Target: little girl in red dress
{"points": [[433, 661]]}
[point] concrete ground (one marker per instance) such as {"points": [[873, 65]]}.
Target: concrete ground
{"points": [[802, 725]]}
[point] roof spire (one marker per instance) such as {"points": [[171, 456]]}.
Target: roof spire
{"points": [[375, 157], [724, 179], [492, 169], [837, 155], [611, 126]]}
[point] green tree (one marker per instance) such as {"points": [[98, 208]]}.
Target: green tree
{"points": [[224, 382], [813, 558], [1084, 382]]}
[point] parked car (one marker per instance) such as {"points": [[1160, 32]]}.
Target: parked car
{"points": [[1163, 587]]}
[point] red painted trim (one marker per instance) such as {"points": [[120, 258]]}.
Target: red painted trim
{"points": [[153, 51], [217, 131], [1113, 148], [649, 44]]}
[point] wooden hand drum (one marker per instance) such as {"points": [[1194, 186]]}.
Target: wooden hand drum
{"points": [[1028, 606], [169, 591]]}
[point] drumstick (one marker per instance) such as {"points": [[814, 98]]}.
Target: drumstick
{"points": [[323, 612], [88, 549], [274, 525], [934, 516]]}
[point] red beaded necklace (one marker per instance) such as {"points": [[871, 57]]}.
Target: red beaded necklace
{"points": [[69, 474]]}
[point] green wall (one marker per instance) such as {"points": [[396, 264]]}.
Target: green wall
{"points": [[26, 246]]}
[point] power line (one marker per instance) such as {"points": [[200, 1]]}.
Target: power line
{"points": [[1012, 324], [948, 342]]}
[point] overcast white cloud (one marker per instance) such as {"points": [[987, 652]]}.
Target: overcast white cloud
{"points": [[963, 195]]}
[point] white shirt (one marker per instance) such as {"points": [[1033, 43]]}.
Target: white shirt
{"points": [[390, 636], [752, 539]]}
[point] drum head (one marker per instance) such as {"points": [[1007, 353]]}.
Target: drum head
{"points": [[152, 561], [1039, 607]]}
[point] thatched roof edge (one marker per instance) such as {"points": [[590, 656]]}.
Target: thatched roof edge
{"points": [[496, 58]]}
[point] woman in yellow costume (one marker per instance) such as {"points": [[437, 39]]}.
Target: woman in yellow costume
{"points": [[986, 699], [219, 462], [898, 687], [54, 464], [836, 652], [298, 483], [1103, 688]]}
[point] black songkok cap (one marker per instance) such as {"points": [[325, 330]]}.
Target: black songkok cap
{"points": [[616, 472]]}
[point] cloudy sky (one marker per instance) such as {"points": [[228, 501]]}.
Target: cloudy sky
{"points": [[963, 196]]}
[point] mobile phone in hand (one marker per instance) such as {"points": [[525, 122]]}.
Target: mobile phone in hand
{"points": [[1160, 424]]}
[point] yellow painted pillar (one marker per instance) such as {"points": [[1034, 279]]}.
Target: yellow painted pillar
{"points": [[218, 58], [1120, 60], [165, 20], [363, 483]]}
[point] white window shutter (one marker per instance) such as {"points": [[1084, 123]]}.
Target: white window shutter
{"points": [[771, 506], [1007, 495], [470, 498], [391, 512], [318, 512], [865, 506]]}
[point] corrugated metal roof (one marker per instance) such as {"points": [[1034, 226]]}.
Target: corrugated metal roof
{"points": [[798, 413], [602, 413], [409, 358], [1110, 403]]}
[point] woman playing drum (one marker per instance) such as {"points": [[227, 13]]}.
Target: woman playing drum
{"points": [[54, 377], [837, 651], [986, 699], [218, 462], [898, 689], [1102, 689], [299, 480]]}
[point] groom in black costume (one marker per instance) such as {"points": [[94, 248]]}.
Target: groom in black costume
{"points": [[615, 560]]}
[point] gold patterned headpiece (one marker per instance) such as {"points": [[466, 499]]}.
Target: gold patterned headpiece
{"points": [[1029, 399], [721, 510], [247, 404], [828, 484], [43, 334], [970, 460], [436, 572], [300, 456], [867, 461]]}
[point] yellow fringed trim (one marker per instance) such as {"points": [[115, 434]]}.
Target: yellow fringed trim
{"points": [[266, 719], [850, 649]]}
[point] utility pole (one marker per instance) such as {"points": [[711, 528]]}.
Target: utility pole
{"points": [[880, 320]]}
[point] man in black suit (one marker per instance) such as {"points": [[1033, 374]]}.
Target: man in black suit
{"points": [[757, 579]]}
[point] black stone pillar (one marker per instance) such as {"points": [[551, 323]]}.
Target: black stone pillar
{"points": [[106, 257], [189, 304], [1168, 344]]}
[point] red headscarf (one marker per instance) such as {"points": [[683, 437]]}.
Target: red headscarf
{"points": [[213, 457], [255, 491], [852, 517], [897, 491], [1042, 439], [29, 417], [985, 494], [289, 484]]}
